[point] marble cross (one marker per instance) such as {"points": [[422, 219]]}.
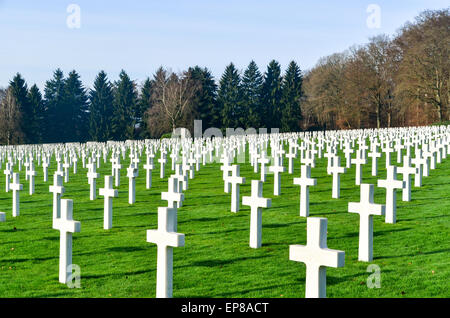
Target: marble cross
{"points": [[317, 257], [66, 226], [235, 180], [16, 187], [172, 196], [336, 170], [256, 203], [391, 184], [305, 181], [108, 193], [277, 169], [366, 209], [58, 190], [166, 238]]}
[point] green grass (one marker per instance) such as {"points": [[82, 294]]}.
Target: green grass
{"points": [[413, 254]]}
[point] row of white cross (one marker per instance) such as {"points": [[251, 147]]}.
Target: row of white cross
{"points": [[315, 254]]}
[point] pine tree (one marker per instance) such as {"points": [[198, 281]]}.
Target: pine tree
{"points": [[271, 96], [75, 110], [251, 90], [19, 91], [204, 101], [54, 107], [230, 97], [125, 96], [101, 100], [292, 94], [37, 106], [143, 107]]}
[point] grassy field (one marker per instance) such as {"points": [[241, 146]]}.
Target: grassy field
{"points": [[413, 254]]}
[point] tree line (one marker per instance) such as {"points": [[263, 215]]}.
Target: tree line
{"points": [[398, 81]]}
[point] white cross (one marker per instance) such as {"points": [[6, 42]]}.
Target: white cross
{"points": [[166, 238], [162, 162], [417, 161], [8, 172], [148, 168], [391, 184], [348, 150], [31, 173], [387, 150], [317, 256], [116, 166], [16, 187], [172, 196], [226, 169], [57, 189], [66, 167], [263, 160], [132, 174], [92, 180], [256, 203], [182, 179], [108, 192], [336, 170], [291, 155], [277, 169], [66, 226], [374, 155], [235, 180], [366, 210], [45, 164], [359, 161], [305, 181], [407, 171]]}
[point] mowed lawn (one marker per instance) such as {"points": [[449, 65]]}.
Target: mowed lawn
{"points": [[413, 254]]}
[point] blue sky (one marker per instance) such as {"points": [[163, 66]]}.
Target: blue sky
{"points": [[140, 36]]}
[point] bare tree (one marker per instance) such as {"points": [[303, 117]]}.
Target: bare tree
{"points": [[172, 95], [425, 66], [10, 117]]}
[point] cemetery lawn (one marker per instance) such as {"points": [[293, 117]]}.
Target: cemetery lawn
{"points": [[413, 255]]}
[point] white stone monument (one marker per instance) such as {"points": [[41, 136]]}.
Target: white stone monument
{"points": [[317, 256], [166, 238], [67, 226], [366, 209], [108, 193], [256, 203]]}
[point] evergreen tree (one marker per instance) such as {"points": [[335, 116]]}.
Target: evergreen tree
{"points": [[37, 107], [75, 109], [19, 92], [292, 95], [204, 102], [230, 97], [251, 90], [101, 100], [54, 107], [271, 96], [125, 96], [143, 106]]}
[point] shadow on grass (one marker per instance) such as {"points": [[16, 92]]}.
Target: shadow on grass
{"points": [[446, 250], [333, 280], [126, 249], [378, 233], [219, 262], [121, 275]]}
